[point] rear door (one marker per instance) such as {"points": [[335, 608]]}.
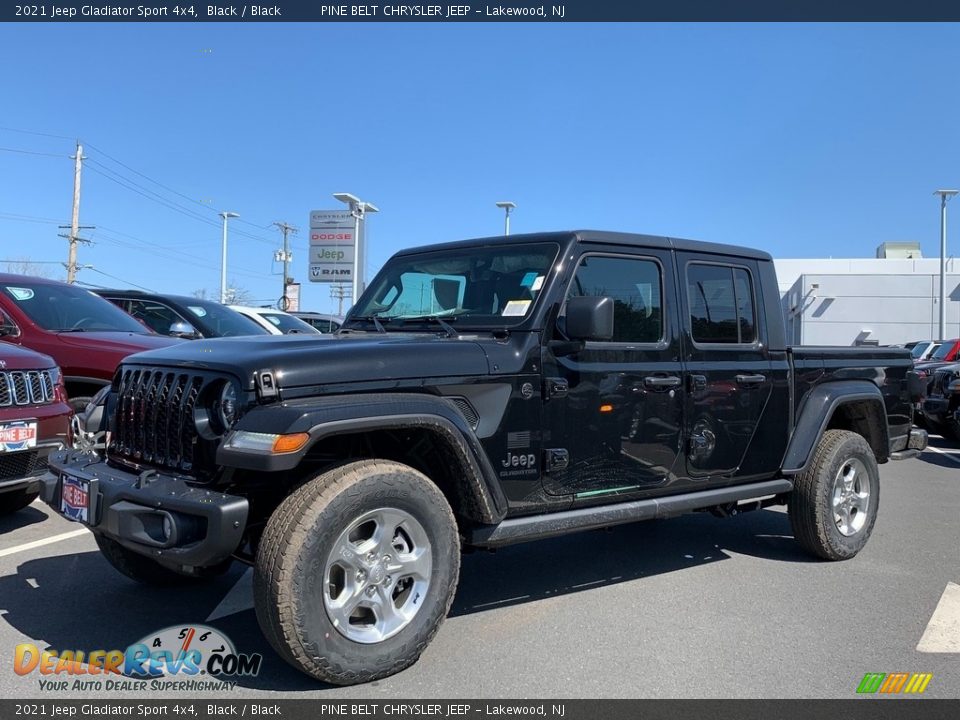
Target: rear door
{"points": [[729, 378]]}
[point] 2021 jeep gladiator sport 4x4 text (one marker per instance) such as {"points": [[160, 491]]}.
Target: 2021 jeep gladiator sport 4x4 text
{"points": [[481, 393]]}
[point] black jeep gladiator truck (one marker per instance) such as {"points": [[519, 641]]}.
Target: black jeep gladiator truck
{"points": [[481, 393]]}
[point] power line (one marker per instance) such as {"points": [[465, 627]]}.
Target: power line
{"points": [[33, 132], [114, 277], [33, 152]]}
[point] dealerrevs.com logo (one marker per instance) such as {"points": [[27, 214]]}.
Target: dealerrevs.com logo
{"points": [[180, 657], [895, 683]]}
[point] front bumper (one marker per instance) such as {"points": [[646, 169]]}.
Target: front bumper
{"points": [[937, 409], [154, 514]]}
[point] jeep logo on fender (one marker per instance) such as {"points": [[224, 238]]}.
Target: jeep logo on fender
{"points": [[513, 460]]}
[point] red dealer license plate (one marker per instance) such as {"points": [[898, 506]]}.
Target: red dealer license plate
{"points": [[75, 498], [17, 436]]}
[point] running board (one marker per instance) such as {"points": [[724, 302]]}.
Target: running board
{"points": [[536, 527]]}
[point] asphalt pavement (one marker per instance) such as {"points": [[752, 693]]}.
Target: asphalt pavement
{"points": [[691, 607]]}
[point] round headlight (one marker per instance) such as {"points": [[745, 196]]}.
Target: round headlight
{"points": [[228, 405]]}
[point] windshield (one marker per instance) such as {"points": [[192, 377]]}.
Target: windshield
{"points": [[66, 308], [919, 349], [217, 320], [478, 287], [943, 350], [288, 323]]}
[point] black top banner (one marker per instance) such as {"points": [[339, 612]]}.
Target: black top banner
{"points": [[185, 11]]}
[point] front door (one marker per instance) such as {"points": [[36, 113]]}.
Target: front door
{"points": [[729, 377], [614, 409]]}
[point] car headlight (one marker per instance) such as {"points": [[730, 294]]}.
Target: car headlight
{"points": [[228, 406]]}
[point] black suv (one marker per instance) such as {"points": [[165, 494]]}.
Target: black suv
{"points": [[182, 316], [479, 394]]}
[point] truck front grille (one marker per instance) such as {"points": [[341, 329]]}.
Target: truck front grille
{"points": [[25, 387], [21, 464], [154, 418]]}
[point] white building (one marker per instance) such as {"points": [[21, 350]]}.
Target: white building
{"points": [[887, 300]]}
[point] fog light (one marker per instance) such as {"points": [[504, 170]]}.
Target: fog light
{"points": [[167, 527]]}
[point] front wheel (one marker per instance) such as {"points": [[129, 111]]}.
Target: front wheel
{"points": [[356, 571], [833, 506]]}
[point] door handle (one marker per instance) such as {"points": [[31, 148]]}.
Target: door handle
{"points": [[659, 383], [751, 379]]}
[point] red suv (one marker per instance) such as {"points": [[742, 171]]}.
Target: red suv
{"points": [[34, 421], [86, 335]]}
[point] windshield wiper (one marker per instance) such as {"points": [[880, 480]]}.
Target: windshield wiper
{"points": [[65, 330], [447, 327], [371, 318]]}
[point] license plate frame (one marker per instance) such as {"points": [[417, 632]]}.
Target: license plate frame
{"points": [[78, 495]]}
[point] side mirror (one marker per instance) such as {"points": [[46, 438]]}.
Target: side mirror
{"points": [[590, 318], [183, 329]]}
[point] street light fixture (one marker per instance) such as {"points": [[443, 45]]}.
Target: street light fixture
{"points": [[507, 206], [945, 195], [359, 210], [223, 256]]}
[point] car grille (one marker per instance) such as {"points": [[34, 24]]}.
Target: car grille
{"points": [[26, 387], [21, 464], [154, 418]]}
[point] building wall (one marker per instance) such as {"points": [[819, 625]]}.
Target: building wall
{"points": [[894, 301]]}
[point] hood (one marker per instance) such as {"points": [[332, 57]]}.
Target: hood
{"points": [[120, 342], [18, 358], [299, 360]]}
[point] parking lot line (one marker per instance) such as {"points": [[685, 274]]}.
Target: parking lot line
{"points": [[943, 631], [948, 455], [40, 543]]}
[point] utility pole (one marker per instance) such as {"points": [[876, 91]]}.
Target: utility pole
{"points": [[286, 257], [75, 218], [338, 291]]}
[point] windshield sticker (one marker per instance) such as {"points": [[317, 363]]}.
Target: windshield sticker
{"points": [[197, 310], [516, 308], [528, 280], [537, 284], [20, 293]]}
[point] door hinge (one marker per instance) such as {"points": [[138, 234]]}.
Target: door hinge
{"points": [[555, 459], [555, 388], [697, 383]]}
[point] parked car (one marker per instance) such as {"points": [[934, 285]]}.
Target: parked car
{"points": [[322, 322], [34, 421], [922, 350], [182, 316], [941, 406], [85, 335], [276, 322], [465, 404]]}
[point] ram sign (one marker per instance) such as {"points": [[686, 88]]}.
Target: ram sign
{"points": [[333, 246]]}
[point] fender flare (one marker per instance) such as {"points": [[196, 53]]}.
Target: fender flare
{"points": [[324, 417], [816, 412]]}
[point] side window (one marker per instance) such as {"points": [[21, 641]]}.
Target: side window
{"points": [[721, 304], [635, 286], [155, 316]]}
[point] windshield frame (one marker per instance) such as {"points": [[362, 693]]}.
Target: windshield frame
{"points": [[422, 321]]}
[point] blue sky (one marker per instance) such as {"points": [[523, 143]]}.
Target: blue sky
{"points": [[803, 140]]}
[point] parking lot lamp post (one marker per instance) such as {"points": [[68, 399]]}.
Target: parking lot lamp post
{"points": [[359, 210], [945, 195], [507, 207], [223, 256]]}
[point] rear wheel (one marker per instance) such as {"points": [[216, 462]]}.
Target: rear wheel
{"points": [[356, 571], [149, 572], [10, 502], [833, 506]]}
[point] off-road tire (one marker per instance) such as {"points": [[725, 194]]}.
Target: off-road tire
{"points": [[810, 505], [10, 502], [289, 574], [149, 572]]}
